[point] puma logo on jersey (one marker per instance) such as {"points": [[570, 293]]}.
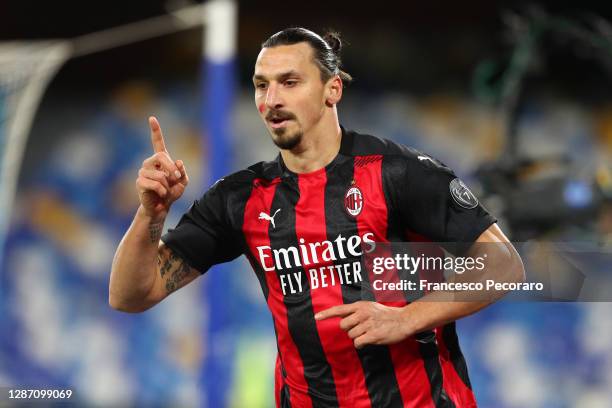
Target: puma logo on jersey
{"points": [[264, 216]]}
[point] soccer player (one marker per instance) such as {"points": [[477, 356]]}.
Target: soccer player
{"points": [[303, 220]]}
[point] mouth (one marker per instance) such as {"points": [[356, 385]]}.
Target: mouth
{"points": [[278, 122]]}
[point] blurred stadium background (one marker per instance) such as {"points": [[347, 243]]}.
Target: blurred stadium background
{"points": [[516, 97]]}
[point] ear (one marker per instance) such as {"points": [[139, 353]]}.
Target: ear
{"points": [[333, 91]]}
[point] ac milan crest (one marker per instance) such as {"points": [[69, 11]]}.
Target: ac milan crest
{"points": [[353, 201]]}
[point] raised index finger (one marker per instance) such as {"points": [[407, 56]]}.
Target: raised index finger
{"points": [[157, 139]]}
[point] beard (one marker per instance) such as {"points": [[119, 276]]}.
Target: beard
{"points": [[286, 141], [281, 136]]}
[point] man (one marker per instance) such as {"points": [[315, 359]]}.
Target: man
{"points": [[303, 221]]}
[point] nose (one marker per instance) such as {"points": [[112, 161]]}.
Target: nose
{"points": [[273, 97]]}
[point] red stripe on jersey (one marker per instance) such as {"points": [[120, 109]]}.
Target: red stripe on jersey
{"points": [[409, 367], [454, 386], [310, 224], [256, 234]]}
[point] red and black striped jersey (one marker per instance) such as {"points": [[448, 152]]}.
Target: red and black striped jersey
{"points": [[304, 234]]}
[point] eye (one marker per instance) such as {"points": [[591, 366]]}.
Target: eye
{"points": [[291, 82], [261, 85]]}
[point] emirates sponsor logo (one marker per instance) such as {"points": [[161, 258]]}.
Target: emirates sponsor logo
{"points": [[314, 253], [353, 201]]}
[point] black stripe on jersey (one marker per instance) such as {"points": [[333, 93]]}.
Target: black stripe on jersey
{"points": [[428, 347], [376, 360], [285, 397], [396, 232], [449, 335], [429, 352], [395, 228], [300, 315]]}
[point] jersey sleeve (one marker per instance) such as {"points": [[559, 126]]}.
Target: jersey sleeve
{"points": [[204, 236], [435, 203]]}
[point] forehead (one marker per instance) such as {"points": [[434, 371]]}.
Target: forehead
{"points": [[296, 57]]}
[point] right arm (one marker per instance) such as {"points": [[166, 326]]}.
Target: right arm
{"points": [[144, 270]]}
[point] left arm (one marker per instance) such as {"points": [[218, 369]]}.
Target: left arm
{"points": [[373, 323]]}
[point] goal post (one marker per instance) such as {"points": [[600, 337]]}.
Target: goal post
{"points": [[219, 88], [28, 67]]}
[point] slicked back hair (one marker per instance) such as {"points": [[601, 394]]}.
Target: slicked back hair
{"points": [[326, 49]]}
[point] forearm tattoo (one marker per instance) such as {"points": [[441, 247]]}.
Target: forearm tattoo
{"points": [[155, 231], [173, 269]]}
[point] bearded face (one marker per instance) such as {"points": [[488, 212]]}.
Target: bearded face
{"points": [[289, 93]]}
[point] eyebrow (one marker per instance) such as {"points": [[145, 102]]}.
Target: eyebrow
{"points": [[282, 76]]}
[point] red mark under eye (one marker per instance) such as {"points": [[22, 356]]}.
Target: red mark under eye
{"points": [[261, 108]]}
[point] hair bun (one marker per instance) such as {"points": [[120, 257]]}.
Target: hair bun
{"points": [[332, 38]]}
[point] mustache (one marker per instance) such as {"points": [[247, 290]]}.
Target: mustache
{"points": [[279, 115]]}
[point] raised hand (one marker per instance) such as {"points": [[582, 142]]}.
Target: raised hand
{"points": [[161, 181]]}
